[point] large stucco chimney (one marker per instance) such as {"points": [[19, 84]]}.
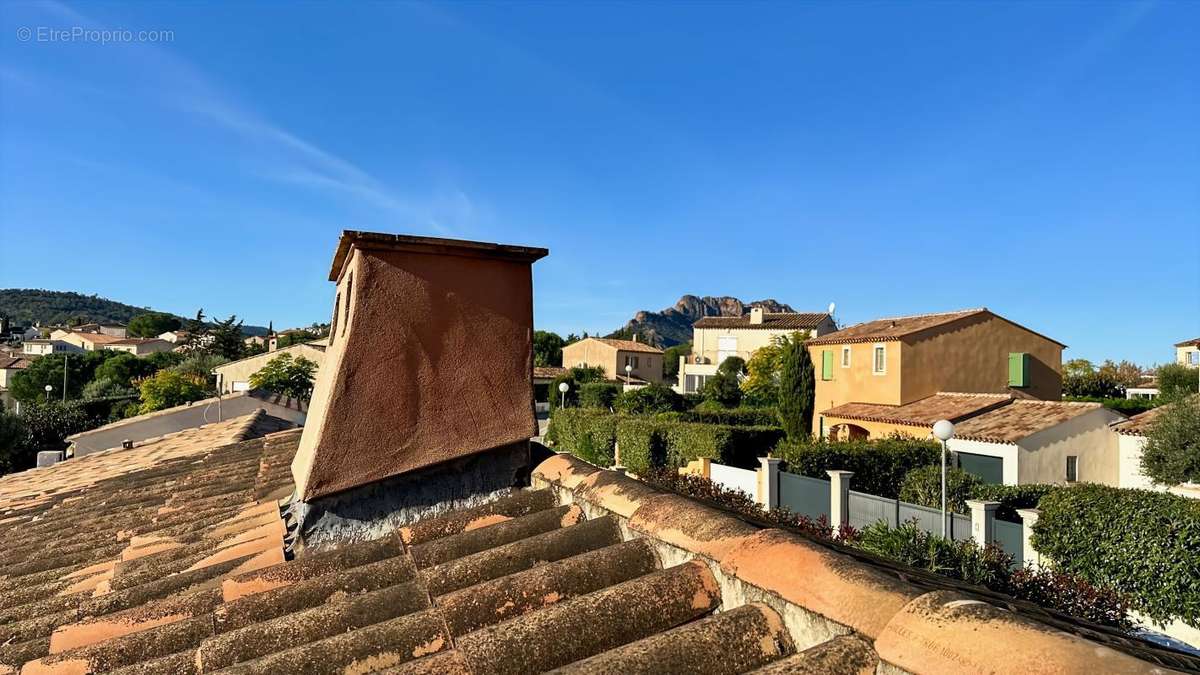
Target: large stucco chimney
{"points": [[425, 398], [756, 315]]}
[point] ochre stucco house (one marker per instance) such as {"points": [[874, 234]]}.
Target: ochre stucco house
{"points": [[645, 361], [1188, 352], [901, 360], [716, 338]]}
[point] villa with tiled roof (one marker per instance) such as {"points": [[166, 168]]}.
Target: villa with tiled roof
{"points": [[412, 528], [645, 361]]}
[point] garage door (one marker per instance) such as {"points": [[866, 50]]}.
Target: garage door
{"points": [[989, 469]]}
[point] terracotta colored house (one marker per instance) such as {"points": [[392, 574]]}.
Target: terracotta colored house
{"points": [[645, 361], [716, 338], [897, 361]]}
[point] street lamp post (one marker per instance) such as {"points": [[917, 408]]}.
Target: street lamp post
{"points": [[49, 388], [943, 430], [65, 357], [562, 389], [628, 375]]}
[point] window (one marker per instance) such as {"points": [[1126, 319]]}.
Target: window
{"points": [[631, 361], [846, 357], [1072, 468], [1194, 358], [827, 364], [1018, 369], [879, 365]]}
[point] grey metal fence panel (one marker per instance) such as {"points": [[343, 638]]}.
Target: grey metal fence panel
{"points": [[960, 527], [867, 509], [803, 495], [927, 518], [1011, 538]]}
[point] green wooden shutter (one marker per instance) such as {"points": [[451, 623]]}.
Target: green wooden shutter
{"points": [[1018, 369], [827, 364]]}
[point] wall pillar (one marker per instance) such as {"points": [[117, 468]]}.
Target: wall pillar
{"points": [[839, 499], [1029, 518], [983, 521], [768, 482]]}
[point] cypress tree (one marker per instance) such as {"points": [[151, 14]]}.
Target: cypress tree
{"points": [[797, 387]]}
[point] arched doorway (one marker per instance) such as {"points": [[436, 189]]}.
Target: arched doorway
{"points": [[848, 432]]}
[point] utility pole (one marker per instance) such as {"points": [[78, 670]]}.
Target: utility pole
{"points": [[65, 357]]}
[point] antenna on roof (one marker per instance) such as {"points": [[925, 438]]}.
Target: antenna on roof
{"points": [[832, 306]]}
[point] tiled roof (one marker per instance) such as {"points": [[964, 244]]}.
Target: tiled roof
{"points": [[136, 341], [1021, 419], [1188, 343], [923, 412], [771, 321], [629, 345], [13, 363], [1138, 424], [177, 564], [97, 338], [894, 328], [548, 372]]}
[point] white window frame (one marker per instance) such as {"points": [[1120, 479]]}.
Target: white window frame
{"points": [[845, 356], [875, 369]]}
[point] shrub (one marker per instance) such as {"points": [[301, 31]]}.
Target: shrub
{"points": [[653, 398], [587, 433], [1013, 497], [199, 366], [106, 388], [168, 389], [598, 394], [879, 465], [643, 443], [575, 378], [725, 387], [1175, 381], [923, 486], [911, 545], [1129, 406], [750, 417], [659, 441], [1144, 543], [1070, 595], [286, 375], [1172, 452]]}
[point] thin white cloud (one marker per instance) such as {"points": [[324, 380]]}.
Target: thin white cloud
{"points": [[296, 160]]}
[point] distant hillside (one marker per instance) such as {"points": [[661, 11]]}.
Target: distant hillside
{"points": [[26, 306], [673, 325]]}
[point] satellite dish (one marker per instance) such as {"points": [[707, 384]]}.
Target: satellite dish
{"points": [[832, 306]]}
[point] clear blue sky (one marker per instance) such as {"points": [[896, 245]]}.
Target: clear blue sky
{"points": [[1041, 159]]}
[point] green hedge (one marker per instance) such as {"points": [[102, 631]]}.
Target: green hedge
{"points": [[589, 433], [657, 440], [1013, 497], [745, 417], [598, 394], [879, 465], [1144, 543]]}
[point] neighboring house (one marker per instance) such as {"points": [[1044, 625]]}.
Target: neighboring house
{"points": [[140, 429], [44, 347], [645, 361], [1147, 388], [85, 341], [1129, 439], [235, 375], [542, 377], [117, 330], [1000, 438], [9, 366], [174, 336], [256, 341], [716, 338], [140, 346], [900, 360], [1188, 353]]}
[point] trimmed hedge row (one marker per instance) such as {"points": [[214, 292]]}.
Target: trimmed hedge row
{"points": [[1145, 543], [1013, 497], [743, 417], [923, 486], [879, 465], [657, 440]]}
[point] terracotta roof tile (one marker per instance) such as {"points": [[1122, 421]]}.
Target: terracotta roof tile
{"points": [[13, 363], [922, 412], [1188, 343], [771, 321], [894, 328], [629, 345], [1021, 419], [548, 372], [592, 571]]}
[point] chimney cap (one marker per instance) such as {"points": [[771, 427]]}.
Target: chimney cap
{"points": [[436, 245]]}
